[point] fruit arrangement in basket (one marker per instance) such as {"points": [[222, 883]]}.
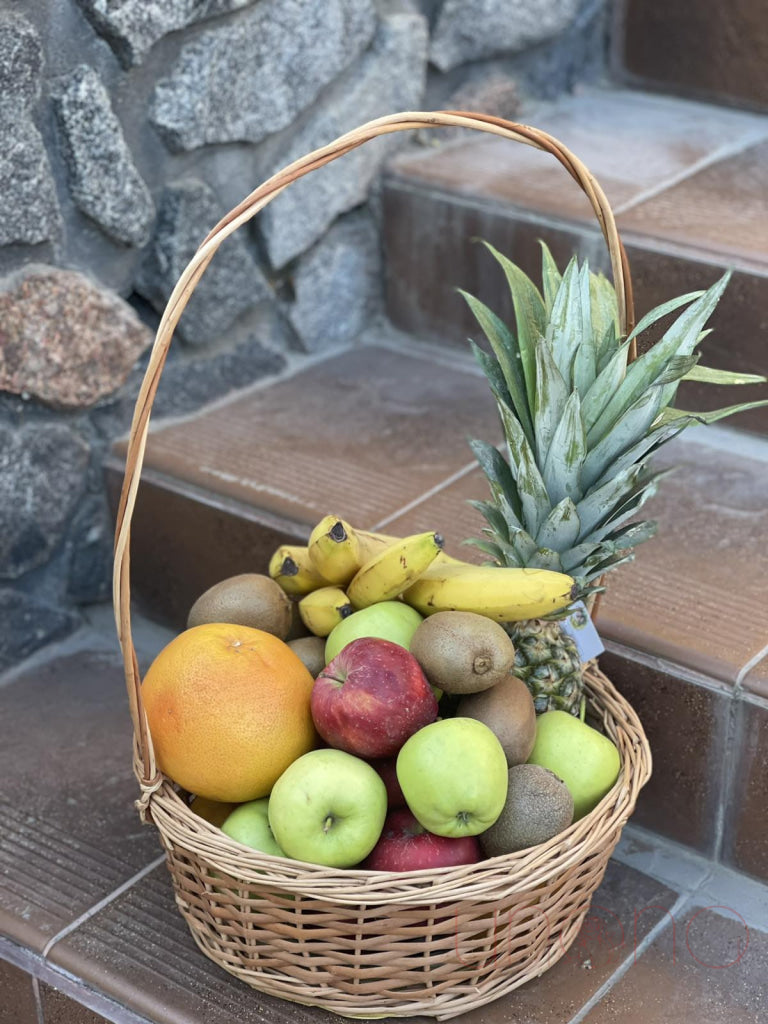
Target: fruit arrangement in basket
{"points": [[434, 713]]}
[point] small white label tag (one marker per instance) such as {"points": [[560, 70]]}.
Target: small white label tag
{"points": [[579, 625]]}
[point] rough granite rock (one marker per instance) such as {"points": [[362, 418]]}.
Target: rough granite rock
{"points": [[103, 178], [468, 30], [21, 64], [29, 211], [338, 284], [91, 540], [27, 624], [233, 281], [43, 469], [245, 80], [132, 27], [390, 77], [63, 339]]}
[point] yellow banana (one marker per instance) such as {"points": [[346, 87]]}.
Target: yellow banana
{"points": [[372, 544], [290, 566], [504, 594], [323, 609], [388, 574], [335, 550]]}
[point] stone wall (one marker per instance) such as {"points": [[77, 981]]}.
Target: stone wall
{"points": [[127, 128]]}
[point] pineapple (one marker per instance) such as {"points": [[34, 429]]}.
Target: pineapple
{"points": [[580, 426], [547, 660]]}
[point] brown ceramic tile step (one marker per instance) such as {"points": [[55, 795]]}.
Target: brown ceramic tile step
{"points": [[708, 49], [710, 967], [139, 951], [687, 182], [70, 834], [363, 434]]}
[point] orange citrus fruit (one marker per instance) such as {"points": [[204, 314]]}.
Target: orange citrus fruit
{"points": [[228, 710]]}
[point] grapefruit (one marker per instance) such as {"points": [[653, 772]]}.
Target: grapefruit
{"points": [[228, 710]]}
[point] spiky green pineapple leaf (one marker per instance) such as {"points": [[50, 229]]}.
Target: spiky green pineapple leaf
{"points": [[530, 315], [490, 367], [623, 539], [549, 402], [605, 309], [563, 330], [678, 340], [677, 368], [630, 504], [643, 449], [561, 527], [550, 278], [604, 386], [497, 472], [683, 418], [566, 455], [546, 558], [594, 570], [584, 365], [507, 353], [601, 501], [633, 423], [534, 500], [607, 348], [488, 548], [707, 375], [493, 516], [659, 312]]}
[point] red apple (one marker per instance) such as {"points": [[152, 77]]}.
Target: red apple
{"points": [[371, 698], [405, 845], [387, 769]]}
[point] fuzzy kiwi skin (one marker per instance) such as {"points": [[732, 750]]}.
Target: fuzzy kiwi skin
{"points": [[462, 652], [311, 650], [538, 807], [246, 600], [508, 711]]}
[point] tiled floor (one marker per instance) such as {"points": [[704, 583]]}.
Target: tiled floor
{"points": [[85, 913]]}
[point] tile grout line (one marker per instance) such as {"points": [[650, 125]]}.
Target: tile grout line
{"points": [[726, 774], [441, 486], [126, 885], [749, 140], [637, 952], [38, 999]]}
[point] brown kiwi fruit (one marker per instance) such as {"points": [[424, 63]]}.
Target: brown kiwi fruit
{"points": [[508, 711], [246, 600], [538, 807], [311, 650], [462, 652]]}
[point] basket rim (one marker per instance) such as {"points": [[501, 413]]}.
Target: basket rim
{"points": [[179, 824]]}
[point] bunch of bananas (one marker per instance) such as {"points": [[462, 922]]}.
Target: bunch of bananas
{"points": [[343, 569]]}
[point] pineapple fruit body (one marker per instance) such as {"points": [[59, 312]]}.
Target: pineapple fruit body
{"points": [[548, 662]]}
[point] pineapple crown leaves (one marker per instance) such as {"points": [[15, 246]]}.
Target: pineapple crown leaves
{"points": [[580, 422]]}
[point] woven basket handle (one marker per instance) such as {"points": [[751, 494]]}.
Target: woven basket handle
{"points": [[145, 765]]}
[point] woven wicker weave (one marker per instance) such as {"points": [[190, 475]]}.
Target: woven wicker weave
{"points": [[364, 943]]}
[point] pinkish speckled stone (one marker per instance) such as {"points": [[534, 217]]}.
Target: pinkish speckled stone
{"points": [[64, 339]]}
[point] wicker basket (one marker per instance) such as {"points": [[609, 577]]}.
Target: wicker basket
{"points": [[365, 943]]}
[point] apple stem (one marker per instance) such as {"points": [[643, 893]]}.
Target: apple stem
{"points": [[328, 823]]}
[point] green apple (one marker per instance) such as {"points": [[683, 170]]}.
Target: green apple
{"points": [[249, 825], [453, 774], [328, 807], [586, 761], [389, 620]]}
